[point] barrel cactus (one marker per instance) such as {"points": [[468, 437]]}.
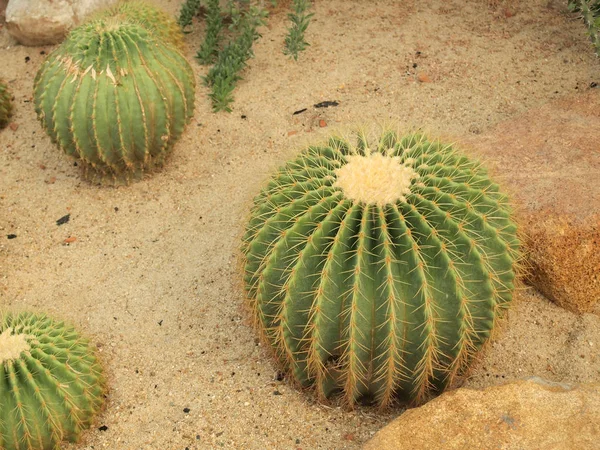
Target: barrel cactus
{"points": [[115, 97], [51, 383], [5, 104], [376, 269], [156, 21]]}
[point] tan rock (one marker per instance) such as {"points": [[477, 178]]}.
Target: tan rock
{"points": [[549, 158], [43, 22], [3, 4], [527, 414]]}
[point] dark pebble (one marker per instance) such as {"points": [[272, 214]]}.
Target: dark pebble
{"points": [[11, 236], [186, 410], [277, 393], [326, 104], [63, 220], [103, 428]]}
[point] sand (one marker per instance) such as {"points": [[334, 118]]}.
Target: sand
{"points": [[151, 270]]}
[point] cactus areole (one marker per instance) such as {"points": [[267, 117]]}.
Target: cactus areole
{"points": [[376, 270], [115, 97], [51, 384]]}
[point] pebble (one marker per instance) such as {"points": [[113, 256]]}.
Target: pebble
{"points": [[423, 77]]}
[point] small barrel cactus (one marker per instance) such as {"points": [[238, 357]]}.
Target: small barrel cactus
{"points": [[115, 97], [5, 104], [378, 271], [157, 22], [51, 384]]}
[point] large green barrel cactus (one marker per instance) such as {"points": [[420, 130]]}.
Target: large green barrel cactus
{"points": [[51, 384], [115, 97], [156, 21], [5, 104], [377, 270]]}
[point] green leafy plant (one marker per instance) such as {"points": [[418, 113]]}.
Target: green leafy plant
{"points": [[5, 104], [214, 26], [189, 9], [231, 60], [115, 97], [590, 13], [300, 19], [378, 269], [51, 383]]}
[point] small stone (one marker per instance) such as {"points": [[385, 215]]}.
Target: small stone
{"points": [[50, 180], [322, 123], [13, 126], [292, 133], [63, 220], [423, 77], [42, 22], [70, 240]]}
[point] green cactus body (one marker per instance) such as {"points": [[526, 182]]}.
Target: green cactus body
{"points": [[379, 271], [115, 97], [51, 384], [5, 104], [157, 22]]}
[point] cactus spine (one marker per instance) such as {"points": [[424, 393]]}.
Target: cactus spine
{"points": [[155, 21], [378, 271], [51, 384], [115, 97], [5, 104]]}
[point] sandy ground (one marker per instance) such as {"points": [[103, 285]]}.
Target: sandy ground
{"points": [[152, 276]]}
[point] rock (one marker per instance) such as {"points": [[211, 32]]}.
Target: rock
{"points": [[525, 414], [423, 77], [44, 22], [3, 4], [549, 159]]}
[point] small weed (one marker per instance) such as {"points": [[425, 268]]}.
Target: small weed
{"points": [[300, 19], [214, 25], [231, 60]]}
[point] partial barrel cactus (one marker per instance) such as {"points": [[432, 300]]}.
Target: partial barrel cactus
{"points": [[5, 104], [378, 269], [51, 383], [115, 97], [160, 24]]}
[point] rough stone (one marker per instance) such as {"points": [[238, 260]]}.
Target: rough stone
{"points": [[44, 22], [3, 4], [530, 413], [549, 159]]}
